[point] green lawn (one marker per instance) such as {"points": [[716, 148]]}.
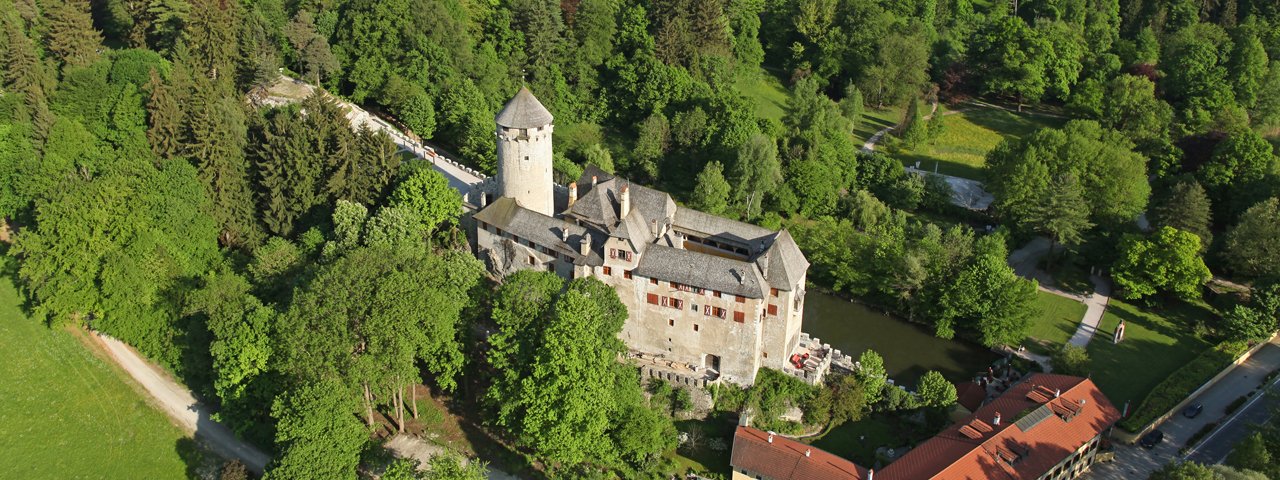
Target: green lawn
{"points": [[1156, 343], [766, 92], [1059, 317], [858, 441], [65, 413], [874, 120], [968, 135]]}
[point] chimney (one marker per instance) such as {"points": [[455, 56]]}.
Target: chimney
{"points": [[808, 452], [1057, 393], [770, 440], [573, 193], [997, 419], [871, 474], [626, 202], [564, 232], [584, 244], [594, 179]]}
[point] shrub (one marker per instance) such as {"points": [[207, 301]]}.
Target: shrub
{"points": [[1236, 404], [1195, 438], [1181, 383], [1071, 360]]}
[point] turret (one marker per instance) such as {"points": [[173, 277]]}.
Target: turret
{"points": [[524, 153]]}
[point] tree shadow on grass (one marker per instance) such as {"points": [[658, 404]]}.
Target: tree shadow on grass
{"points": [[195, 457]]}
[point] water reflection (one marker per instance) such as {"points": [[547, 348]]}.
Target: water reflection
{"points": [[909, 350]]}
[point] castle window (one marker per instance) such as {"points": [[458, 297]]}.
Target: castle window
{"points": [[671, 323], [695, 307], [773, 292], [625, 254], [653, 299], [626, 274], [613, 253], [706, 310], [653, 281], [532, 260], [677, 303], [766, 354], [739, 317], [715, 293], [666, 302], [695, 327], [740, 298], [674, 285], [608, 271], [699, 290], [773, 310]]}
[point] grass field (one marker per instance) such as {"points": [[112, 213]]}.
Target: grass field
{"points": [[1156, 343], [65, 413], [874, 120], [968, 135], [1059, 317], [766, 92]]}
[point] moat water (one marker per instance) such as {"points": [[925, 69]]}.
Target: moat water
{"points": [[909, 349]]}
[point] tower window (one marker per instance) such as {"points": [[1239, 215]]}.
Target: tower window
{"points": [[526, 157]]}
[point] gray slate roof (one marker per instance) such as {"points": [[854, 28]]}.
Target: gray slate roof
{"points": [[783, 263], [701, 270], [706, 225], [523, 111], [527, 224], [599, 205]]}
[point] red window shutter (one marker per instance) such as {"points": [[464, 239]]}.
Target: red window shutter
{"points": [[613, 253], [739, 317], [740, 298], [773, 292], [626, 274], [653, 281], [706, 310], [608, 271], [653, 298], [773, 309]]}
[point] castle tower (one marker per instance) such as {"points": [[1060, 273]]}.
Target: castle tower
{"points": [[524, 153]]}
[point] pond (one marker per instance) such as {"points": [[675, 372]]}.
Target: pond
{"points": [[909, 350]]}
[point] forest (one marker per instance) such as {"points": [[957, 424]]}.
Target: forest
{"points": [[305, 277]]}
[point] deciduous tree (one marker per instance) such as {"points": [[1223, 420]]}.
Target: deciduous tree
{"points": [[1167, 261]]}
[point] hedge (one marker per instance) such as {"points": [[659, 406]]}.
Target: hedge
{"points": [[1178, 385]]}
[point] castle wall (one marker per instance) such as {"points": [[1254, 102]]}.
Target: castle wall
{"points": [[524, 167]]}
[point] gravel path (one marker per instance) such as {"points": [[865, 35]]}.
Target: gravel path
{"points": [[178, 403]]}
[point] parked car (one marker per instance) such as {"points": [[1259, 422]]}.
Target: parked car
{"points": [[1193, 410], [1152, 439]]}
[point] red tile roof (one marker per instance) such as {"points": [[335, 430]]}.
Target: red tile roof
{"points": [[1036, 432], [785, 459], [970, 395]]}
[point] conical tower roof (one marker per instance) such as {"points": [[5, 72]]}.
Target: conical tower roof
{"points": [[523, 111]]}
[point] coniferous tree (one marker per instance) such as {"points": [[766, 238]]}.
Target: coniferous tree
{"points": [[375, 163], [289, 174], [164, 118], [216, 125], [71, 37], [26, 74], [210, 32], [1184, 206], [711, 194]]}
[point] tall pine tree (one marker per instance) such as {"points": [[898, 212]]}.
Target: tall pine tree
{"points": [[71, 37], [217, 141], [164, 118]]}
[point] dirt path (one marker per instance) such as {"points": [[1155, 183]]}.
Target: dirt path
{"points": [[178, 403]]}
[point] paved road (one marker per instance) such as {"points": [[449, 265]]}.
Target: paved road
{"points": [[177, 402], [1024, 262], [1133, 462], [1257, 411]]}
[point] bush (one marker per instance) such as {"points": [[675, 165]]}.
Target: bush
{"points": [[1236, 404], [1200, 434], [1071, 360], [1181, 383]]}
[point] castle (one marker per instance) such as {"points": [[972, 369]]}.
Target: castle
{"points": [[709, 299]]}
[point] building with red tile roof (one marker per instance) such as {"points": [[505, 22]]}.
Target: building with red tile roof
{"points": [[763, 455], [970, 395], [1048, 427]]}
